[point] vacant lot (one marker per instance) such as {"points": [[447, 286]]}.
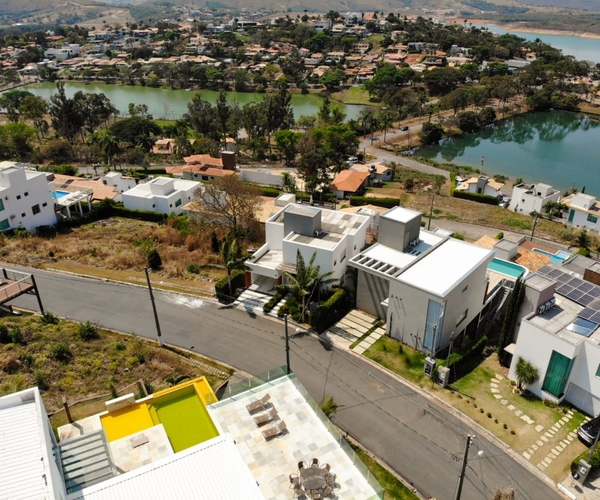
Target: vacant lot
{"points": [[117, 249]]}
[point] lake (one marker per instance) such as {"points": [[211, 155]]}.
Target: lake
{"points": [[555, 147], [172, 104], [583, 48]]}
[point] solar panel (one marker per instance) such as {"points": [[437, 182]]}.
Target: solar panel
{"points": [[563, 278], [549, 271], [576, 282], [575, 295], [595, 318], [586, 299], [587, 313], [595, 292], [564, 290], [586, 287]]}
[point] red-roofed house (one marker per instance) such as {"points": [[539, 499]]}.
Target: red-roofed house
{"points": [[348, 183]]}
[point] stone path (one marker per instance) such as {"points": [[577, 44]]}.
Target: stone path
{"points": [[548, 441], [352, 327]]}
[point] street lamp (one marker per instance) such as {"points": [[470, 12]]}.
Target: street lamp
{"points": [[385, 122], [461, 477], [482, 160]]}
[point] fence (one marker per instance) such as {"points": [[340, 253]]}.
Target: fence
{"points": [[278, 376]]}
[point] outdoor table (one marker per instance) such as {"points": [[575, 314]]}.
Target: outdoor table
{"points": [[313, 478]]}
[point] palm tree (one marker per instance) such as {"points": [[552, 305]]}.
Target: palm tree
{"points": [[231, 253], [288, 182], [583, 240], [306, 281], [525, 372]]}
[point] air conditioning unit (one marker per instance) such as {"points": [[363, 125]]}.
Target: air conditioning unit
{"points": [[12, 216], [542, 308]]}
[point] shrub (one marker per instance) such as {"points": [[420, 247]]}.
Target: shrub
{"points": [[57, 151], [88, 331], [26, 359], [505, 426], [273, 301], [489, 415], [332, 310], [154, 260], [269, 191], [500, 235], [4, 334], [119, 346], [45, 231], [357, 201], [112, 388], [458, 236], [49, 318], [215, 244], [16, 337], [480, 198], [61, 352], [41, 380], [193, 268], [10, 365], [481, 410], [238, 280], [452, 183]]}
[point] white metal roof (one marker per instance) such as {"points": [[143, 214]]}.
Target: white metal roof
{"points": [[401, 214], [213, 469], [24, 471], [441, 270], [389, 255]]}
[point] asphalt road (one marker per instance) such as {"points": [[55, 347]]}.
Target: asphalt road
{"points": [[417, 437]]}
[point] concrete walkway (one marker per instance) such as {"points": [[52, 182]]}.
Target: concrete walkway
{"points": [[349, 329]]}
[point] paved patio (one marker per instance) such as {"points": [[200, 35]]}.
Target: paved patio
{"points": [[350, 328], [271, 462]]}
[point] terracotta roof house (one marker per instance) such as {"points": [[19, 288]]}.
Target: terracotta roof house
{"points": [[348, 183], [164, 147]]}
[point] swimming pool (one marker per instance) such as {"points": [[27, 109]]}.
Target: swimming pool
{"points": [[59, 194], [559, 256], [505, 267]]}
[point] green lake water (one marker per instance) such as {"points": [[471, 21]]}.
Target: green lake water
{"points": [[559, 148], [172, 104]]}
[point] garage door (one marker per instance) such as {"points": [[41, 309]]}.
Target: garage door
{"points": [[583, 399]]}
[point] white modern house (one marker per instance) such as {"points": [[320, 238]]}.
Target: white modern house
{"points": [[480, 185], [425, 285], [334, 237], [527, 198], [584, 211], [161, 195], [25, 198], [559, 336], [118, 183], [67, 51]]}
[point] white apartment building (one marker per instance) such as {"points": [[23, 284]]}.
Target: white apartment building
{"points": [[334, 237], [583, 211], [559, 336], [424, 284], [161, 195], [25, 198], [527, 198], [67, 51]]}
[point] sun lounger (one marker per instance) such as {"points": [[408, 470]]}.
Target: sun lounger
{"points": [[266, 417], [278, 428], [299, 491], [259, 404]]}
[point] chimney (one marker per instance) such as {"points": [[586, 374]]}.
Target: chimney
{"points": [[228, 159]]}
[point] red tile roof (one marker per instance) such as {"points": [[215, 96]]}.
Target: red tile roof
{"points": [[349, 181]]}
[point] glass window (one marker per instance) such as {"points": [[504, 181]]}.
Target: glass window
{"points": [[557, 374], [598, 371], [435, 317], [178, 202], [4, 224], [462, 317], [35, 209], [592, 218], [1, 205]]}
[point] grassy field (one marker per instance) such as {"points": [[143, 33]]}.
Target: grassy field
{"points": [[355, 95], [56, 358]]}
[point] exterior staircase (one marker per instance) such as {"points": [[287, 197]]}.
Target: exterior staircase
{"points": [[495, 309]]}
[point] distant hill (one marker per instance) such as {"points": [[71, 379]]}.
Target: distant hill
{"points": [[27, 6], [593, 5]]}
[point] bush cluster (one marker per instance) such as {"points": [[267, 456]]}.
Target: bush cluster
{"points": [[238, 280], [479, 198], [357, 201], [332, 310]]}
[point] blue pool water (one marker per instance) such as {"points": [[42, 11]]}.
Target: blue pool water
{"points": [[59, 194], [559, 256], [506, 267]]}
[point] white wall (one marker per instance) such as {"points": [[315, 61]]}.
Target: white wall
{"points": [[261, 176], [324, 257], [141, 197], [20, 191], [527, 203], [274, 235], [580, 219]]}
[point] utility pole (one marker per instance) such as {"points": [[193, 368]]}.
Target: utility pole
{"points": [[450, 348], [463, 468], [158, 333], [482, 160], [287, 345], [433, 342], [535, 221], [430, 212]]}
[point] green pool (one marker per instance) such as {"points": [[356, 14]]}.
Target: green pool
{"points": [[185, 419], [506, 267]]}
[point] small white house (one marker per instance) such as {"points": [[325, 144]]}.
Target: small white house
{"points": [[161, 195], [481, 185], [527, 198], [583, 211], [25, 198], [119, 183], [334, 236], [65, 52]]}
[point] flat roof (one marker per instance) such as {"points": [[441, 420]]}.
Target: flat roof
{"points": [[557, 318], [24, 471], [438, 272], [401, 214], [538, 282], [506, 245], [213, 469]]}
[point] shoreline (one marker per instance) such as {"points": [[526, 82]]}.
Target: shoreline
{"points": [[525, 29]]}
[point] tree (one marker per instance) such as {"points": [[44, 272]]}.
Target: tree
{"points": [[231, 253], [33, 109], [11, 102], [154, 260], [15, 140], [431, 133], [229, 200], [287, 143], [136, 131], [525, 372], [583, 240], [306, 281], [66, 116], [288, 182]]}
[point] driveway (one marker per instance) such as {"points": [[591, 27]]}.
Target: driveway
{"points": [[415, 435]]}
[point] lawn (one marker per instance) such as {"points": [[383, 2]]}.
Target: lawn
{"points": [[394, 488], [60, 362], [356, 95]]}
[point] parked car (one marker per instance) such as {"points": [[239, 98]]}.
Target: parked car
{"points": [[404, 128], [352, 160], [588, 431]]}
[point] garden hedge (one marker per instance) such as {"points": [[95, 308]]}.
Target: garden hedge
{"points": [[332, 310], [479, 198], [357, 201], [238, 280], [452, 183]]}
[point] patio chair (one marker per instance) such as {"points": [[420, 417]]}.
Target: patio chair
{"points": [[294, 480], [314, 462], [326, 467], [265, 418], [259, 404], [330, 478], [301, 464], [276, 430], [315, 494], [299, 491], [327, 491]]}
